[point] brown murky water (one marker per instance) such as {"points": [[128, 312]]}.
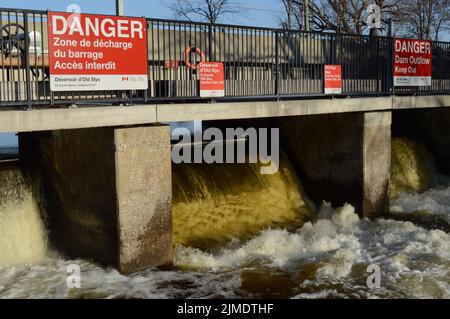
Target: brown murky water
{"points": [[240, 234]]}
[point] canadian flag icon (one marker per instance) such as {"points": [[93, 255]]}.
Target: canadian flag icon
{"points": [[124, 78]]}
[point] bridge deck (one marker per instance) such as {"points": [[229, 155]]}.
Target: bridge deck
{"points": [[102, 116]]}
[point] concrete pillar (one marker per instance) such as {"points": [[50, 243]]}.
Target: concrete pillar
{"points": [[342, 157], [144, 197], [108, 194], [376, 162]]}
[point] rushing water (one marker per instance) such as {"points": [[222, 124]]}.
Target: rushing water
{"points": [[213, 204], [326, 257]]}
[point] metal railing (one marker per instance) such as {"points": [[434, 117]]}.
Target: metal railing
{"points": [[259, 63]]}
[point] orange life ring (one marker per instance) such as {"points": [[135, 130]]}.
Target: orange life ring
{"points": [[186, 54]]}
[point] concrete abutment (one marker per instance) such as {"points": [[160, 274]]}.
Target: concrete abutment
{"points": [[108, 192]]}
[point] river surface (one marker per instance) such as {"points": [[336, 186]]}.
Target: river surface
{"points": [[326, 257]]}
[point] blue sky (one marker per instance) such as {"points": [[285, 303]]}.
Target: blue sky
{"points": [[8, 139], [253, 12]]}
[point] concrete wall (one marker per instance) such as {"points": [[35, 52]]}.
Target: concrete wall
{"points": [[325, 151], [342, 157], [108, 193], [431, 126]]}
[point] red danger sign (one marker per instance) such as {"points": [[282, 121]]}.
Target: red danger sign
{"points": [[212, 81], [93, 52], [332, 79], [412, 62]]}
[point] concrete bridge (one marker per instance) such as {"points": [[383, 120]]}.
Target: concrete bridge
{"points": [[103, 159], [107, 169]]}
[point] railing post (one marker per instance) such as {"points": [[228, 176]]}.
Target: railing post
{"points": [[210, 49], [390, 71], [333, 46], [377, 52], [27, 62], [146, 92], [277, 84], [120, 7]]}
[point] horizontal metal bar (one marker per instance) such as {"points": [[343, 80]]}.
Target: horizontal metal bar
{"points": [[23, 10]]}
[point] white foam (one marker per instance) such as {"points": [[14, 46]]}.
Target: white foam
{"points": [[48, 280], [404, 252], [415, 262], [434, 201]]}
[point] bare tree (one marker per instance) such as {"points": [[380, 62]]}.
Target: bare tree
{"points": [[294, 15], [347, 16], [425, 19], [208, 10]]}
